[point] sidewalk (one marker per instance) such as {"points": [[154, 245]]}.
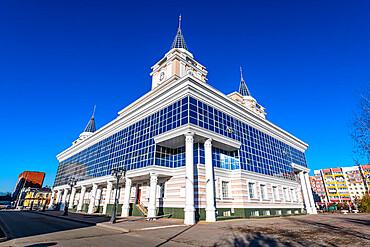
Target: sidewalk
{"points": [[124, 224]]}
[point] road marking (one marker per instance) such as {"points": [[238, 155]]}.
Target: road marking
{"points": [[156, 227]]}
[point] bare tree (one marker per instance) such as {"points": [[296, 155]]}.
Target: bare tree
{"points": [[361, 127]]}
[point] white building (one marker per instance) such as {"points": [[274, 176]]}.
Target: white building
{"points": [[355, 182], [189, 150]]}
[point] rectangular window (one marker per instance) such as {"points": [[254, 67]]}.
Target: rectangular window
{"points": [[266, 212], [251, 190], [225, 189], [275, 193], [289, 212], [286, 196], [161, 190], [292, 195], [263, 191], [255, 213], [278, 212]]}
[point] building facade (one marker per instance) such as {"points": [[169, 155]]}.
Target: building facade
{"points": [[365, 172], [340, 185], [189, 150], [28, 179]]}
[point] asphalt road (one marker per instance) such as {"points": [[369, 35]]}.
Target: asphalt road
{"points": [[32, 229]]}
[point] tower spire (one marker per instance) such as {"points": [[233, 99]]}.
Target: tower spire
{"points": [[90, 127], [243, 89], [180, 22], [95, 107], [179, 41]]}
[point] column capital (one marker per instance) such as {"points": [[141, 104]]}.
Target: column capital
{"points": [[208, 143], [189, 137]]}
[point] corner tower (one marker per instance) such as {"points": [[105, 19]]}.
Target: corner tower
{"points": [[89, 130], [245, 98], [177, 63]]}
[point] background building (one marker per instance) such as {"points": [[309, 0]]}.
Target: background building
{"points": [[365, 172], [340, 185], [318, 187], [28, 179]]}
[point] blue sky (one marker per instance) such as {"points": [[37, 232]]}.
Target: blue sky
{"points": [[302, 60]]}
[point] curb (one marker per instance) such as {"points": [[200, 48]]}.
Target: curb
{"points": [[111, 227], [65, 217]]}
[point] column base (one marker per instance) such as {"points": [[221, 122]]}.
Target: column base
{"points": [[152, 211], [210, 215], [311, 211], [189, 217], [91, 210], [125, 211], [104, 209]]}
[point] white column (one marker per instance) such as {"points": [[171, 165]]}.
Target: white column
{"points": [[107, 196], [98, 196], [72, 197], [59, 195], [126, 199], [309, 191], [64, 200], [305, 194], [210, 207], [189, 218], [81, 199], [92, 199], [152, 195], [51, 203]]}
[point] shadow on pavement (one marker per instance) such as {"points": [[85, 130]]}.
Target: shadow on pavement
{"points": [[174, 236], [42, 245], [21, 224], [252, 240], [358, 221], [334, 229]]}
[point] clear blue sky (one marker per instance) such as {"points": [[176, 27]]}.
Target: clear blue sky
{"points": [[303, 61]]}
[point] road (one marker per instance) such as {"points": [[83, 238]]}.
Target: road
{"points": [[32, 229]]}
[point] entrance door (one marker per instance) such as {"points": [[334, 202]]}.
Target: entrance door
{"points": [[138, 195]]}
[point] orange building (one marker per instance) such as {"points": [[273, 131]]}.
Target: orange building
{"points": [[28, 179]]}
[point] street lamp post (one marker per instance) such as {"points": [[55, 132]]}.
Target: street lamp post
{"points": [[71, 184], [117, 173]]}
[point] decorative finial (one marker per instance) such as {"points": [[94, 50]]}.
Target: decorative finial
{"points": [[93, 112], [180, 22], [241, 73]]}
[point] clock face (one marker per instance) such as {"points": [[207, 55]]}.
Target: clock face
{"points": [[161, 76]]}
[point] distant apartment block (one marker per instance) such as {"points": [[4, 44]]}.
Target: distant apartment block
{"points": [[341, 184], [365, 172]]}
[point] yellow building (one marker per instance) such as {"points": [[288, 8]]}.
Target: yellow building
{"points": [[38, 197]]}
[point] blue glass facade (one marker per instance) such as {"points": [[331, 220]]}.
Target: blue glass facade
{"points": [[134, 147]]}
